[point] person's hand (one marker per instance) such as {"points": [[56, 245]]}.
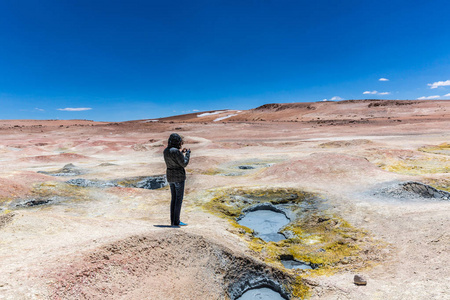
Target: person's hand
{"points": [[185, 150]]}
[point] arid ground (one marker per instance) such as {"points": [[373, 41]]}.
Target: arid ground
{"points": [[359, 170]]}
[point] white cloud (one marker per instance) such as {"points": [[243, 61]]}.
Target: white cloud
{"points": [[195, 110], [429, 97], [74, 109], [383, 79], [437, 84], [447, 95], [39, 109], [336, 98], [376, 93]]}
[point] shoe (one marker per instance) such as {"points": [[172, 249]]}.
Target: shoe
{"points": [[182, 224]]}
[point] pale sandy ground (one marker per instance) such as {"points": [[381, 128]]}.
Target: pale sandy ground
{"points": [[42, 247]]}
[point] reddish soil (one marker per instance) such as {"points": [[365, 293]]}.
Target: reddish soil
{"points": [[112, 244]]}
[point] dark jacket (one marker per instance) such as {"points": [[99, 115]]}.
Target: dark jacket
{"points": [[175, 160]]}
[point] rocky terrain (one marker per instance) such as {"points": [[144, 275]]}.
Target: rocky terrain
{"points": [[364, 183]]}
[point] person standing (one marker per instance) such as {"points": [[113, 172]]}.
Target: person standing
{"points": [[176, 160]]}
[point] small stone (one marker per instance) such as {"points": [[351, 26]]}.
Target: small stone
{"points": [[359, 280]]}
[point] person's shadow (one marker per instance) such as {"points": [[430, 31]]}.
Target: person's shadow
{"points": [[166, 226]]}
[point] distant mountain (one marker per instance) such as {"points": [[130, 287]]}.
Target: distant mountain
{"points": [[349, 111]]}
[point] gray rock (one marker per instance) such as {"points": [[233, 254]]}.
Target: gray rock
{"points": [[359, 280]]}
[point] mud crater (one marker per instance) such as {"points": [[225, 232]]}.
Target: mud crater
{"points": [[130, 268], [266, 221], [257, 287], [243, 167], [143, 182], [67, 170], [51, 193], [311, 239], [38, 201], [411, 190], [262, 293], [289, 262]]}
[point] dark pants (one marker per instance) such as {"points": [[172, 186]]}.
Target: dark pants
{"points": [[177, 190]]}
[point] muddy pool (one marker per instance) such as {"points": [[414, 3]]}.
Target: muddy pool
{"points": [[266, 224], [261, 294]]}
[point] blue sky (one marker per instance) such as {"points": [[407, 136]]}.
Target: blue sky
{"points": [[123, 60]]}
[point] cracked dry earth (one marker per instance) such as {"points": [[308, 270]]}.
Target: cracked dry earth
{"points": [[113, 242]]}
